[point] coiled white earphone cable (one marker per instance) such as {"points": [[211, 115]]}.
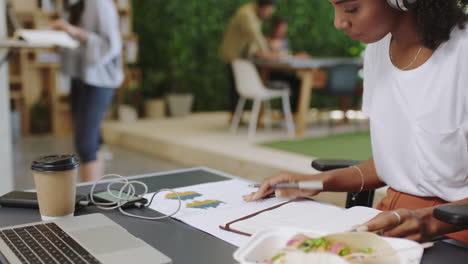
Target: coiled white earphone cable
{"points": [[126, 192]]}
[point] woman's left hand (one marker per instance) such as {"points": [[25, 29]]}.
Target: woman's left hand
{"points": [[404, 223], [60, 24], [75, 32], [63, 25]]}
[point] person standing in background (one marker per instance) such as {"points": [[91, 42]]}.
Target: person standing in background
{"points": [[95, 69], [242, 34]]}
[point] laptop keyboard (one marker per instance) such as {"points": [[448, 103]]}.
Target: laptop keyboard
{"points": [[45, 243]]}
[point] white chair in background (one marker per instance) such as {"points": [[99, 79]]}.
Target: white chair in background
{"points": [[250, 86]]}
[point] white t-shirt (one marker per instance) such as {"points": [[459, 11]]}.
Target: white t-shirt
{"points": [[419, 119]]}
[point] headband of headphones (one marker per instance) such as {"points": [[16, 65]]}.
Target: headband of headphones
{"points": [[402, 5]]}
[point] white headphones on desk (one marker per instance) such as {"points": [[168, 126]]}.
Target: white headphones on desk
{"points": [[402, 5]]}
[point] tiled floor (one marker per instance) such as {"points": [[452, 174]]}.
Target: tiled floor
{"points": [[119, 160]]}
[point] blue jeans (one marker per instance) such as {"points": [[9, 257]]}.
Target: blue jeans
{"points": [[88, 106]]}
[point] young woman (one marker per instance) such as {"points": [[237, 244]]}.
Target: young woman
{"points": [[95, 69], [416, 96], [278, 43], [278, 39]]}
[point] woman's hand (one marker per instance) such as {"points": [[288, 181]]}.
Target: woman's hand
{"points": [[415, 225], [72, 30], [62, 25], [284, 177]]}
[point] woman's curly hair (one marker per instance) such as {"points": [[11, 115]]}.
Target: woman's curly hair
{"points": [[437, 18]]}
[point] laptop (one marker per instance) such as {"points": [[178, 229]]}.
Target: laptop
{"points": [[92, 238]]}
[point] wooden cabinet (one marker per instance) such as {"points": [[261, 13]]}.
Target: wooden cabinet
{"points": [[34, 73]]}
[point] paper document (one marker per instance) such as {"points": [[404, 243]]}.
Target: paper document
{"points": [[207, 206], [48, 38], [307, 215], [210, 205]]}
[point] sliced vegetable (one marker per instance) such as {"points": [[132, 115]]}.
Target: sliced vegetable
{"points": [[335, 249], [292, 242], [344, 252], [277, 256]]}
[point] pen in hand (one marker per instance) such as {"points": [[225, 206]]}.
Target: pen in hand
{"points": [[306, 185]]}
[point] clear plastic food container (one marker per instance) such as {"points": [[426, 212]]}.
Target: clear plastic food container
{"points": [[263, 245]]}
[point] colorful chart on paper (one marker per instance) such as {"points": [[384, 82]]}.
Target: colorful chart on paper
{"points": [[183, 195], [204, 204]]}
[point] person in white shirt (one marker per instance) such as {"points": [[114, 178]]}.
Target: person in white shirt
{"points": [[96, 70], [416, 97]]}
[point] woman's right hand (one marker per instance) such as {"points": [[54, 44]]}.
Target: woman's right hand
{"points": [[285, 177]]}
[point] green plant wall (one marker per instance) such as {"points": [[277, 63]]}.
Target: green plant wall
{"points": [[180, 39]]}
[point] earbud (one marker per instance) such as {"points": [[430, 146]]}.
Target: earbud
{"points": [[402, 5]]}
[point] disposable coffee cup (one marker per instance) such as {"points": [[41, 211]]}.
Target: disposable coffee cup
{"points": [[55, 179]]}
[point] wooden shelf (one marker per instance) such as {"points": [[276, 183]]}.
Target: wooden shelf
{"points": [[51, 14], [14, 79], [48, 65], [16, 95], [34, 71]]}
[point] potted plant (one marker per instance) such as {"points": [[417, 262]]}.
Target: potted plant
{"points": [[155, 106], [128, 111], [40, 116], [179, 99]]}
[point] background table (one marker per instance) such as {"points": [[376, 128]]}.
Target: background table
{"points": [[307, 70], [183, 243]]}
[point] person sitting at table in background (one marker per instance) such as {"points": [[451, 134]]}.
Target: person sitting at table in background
{"points": [[416, 96], [243, 31], [96, 71], [278, 42]]}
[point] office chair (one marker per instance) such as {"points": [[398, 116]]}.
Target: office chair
{"points": [[342, 80], [451, 214], [250, 86], [342, 83]]}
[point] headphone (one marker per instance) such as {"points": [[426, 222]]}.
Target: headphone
{"points": [[402, 5]]}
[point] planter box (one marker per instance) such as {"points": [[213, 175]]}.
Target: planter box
{"points": [[180, 105], [155, 109], [127, 113]]}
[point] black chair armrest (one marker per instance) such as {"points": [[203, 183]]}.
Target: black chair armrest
{"points": [[454, 214], [331, 164], [365, 198]]}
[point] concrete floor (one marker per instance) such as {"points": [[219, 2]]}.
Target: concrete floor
{"points": [[202, 139], [119, 160]]}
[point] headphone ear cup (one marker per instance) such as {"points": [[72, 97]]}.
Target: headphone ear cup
{"points": [[393, 3], [402, 5]]}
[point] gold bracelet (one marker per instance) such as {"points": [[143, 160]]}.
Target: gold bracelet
{"points": [[362, 183]]}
